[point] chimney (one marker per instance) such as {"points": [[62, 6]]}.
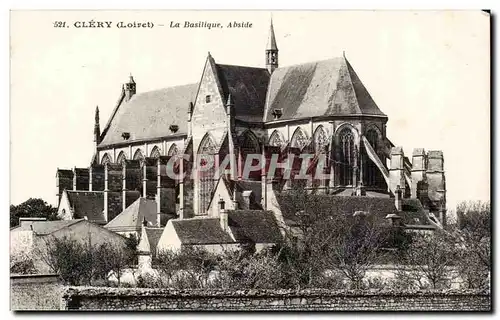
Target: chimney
{"points": [[144, 249], [223, 217], [398, 198], [190, 116], [246, 198], [395, 219], [235, 197]]}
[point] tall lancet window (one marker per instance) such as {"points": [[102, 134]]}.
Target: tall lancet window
{"points": [[206, 177], [138, 155], [173, 150], [299, 139], [320, 140], [250, 145], [105, 159], [371, 173], [276, 139], [155, 153], [347, 161], [121, 158]]}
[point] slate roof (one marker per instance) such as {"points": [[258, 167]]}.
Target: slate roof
{"points": [[154, 235], [329, 87], [201, 231], [45, 227], [133, 216], [248, 87], [412, 214], [271, 41], [88, 204], [255, 226], [254, 186], [149, 115]]}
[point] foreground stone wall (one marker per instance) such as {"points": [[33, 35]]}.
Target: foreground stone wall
{"points": [[35, 292], [81, 298]]}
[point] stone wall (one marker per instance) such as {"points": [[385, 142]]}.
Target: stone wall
{"points": [[82, 298], [35, 292]]}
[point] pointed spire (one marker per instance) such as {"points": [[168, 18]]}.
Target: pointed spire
{"points": [[271, 51], [130, 78], [97, 128], [97, 115], [271, 42]]}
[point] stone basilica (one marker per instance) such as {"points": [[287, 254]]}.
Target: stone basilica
{"points": [[319, 108]]}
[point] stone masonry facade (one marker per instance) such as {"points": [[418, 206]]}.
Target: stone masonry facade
{"points": [[138, 299]]}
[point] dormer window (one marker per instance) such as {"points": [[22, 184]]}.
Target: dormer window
{"points": [[174, 128], [208, 98], [126, 135], [277, 113]]}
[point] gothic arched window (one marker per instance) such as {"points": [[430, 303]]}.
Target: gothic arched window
{"points": [[121, 158], [173, 150], [250, 145], [138, 155], [155, 153], [276, 139], [320, 140], [105, 159], [299, 139], [206, 158], [347, 156], [371, 173]]}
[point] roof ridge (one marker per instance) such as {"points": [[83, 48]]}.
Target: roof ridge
{"points": [[165, 88], [240, 66], [309, 62], [346, 63]]}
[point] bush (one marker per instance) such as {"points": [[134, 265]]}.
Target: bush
{"points": [[22, 264], [82, 263]]}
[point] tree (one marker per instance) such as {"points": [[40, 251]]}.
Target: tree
{"points": [[244, 271], [327, 237], [67, 258], [473, 235], [114, 258], [431, 256], [355, 245], [80, 262], [32, 207]]}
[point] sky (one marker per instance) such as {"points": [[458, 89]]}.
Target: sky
{"points": [[428, 71]]}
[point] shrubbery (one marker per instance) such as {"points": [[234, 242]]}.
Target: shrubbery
{"points": [[80, 263], [22, 264], [333, 253]]}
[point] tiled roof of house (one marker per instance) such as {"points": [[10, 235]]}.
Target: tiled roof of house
{"points": [[201, 231], [88, 204], [248, 87], [45, 227], [412, 214], [149, 115], [254, 226], [329, 87], [133, 216]]}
